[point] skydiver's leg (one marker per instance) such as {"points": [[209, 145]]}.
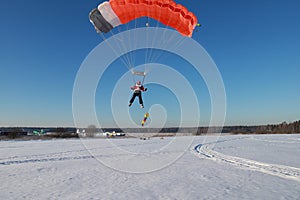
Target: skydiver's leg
{"points": [[140, 98], [132, 98]]}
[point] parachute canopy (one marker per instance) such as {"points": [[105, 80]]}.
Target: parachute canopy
{"points": [[116, 12]]}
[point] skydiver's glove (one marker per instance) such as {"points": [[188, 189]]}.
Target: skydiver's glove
{"points": [[146, 89]]}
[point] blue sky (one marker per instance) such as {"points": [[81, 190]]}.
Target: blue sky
{"points": [[255, 45]]}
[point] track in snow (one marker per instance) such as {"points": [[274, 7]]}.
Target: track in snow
{"points": [[282, 171], [41, 158], [79, 154]]}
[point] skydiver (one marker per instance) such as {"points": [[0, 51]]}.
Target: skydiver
{"points": [[138, 89]]}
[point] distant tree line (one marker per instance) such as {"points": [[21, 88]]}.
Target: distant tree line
{"points": [[26, 132], [283, 127], [61, 132]]}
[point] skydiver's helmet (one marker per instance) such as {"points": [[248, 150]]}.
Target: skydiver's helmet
{"points": [[138, 83]]}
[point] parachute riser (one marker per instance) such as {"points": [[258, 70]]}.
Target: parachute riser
{"points": [[138, 73]]}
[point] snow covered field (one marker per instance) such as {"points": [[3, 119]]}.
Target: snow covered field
{"points": [[227, 167]]}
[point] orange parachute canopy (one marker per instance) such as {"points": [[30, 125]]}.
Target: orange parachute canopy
{"points": [[115, 12]]}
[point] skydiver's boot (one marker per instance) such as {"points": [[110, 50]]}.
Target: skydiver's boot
{"points": [[130, 104], [142, 106]]}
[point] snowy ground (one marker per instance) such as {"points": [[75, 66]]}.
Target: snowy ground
{"points": [[227, 167]]}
